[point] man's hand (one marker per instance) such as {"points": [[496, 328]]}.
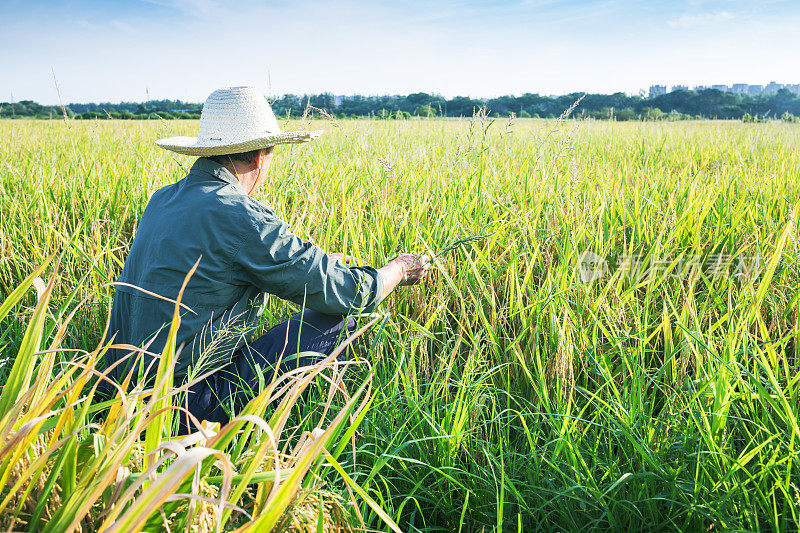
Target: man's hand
{"points": [[414, 268], [406, 269]]}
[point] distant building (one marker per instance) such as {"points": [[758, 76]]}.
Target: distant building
{"points": [[755, 90], [338, 99], [736, 88]]}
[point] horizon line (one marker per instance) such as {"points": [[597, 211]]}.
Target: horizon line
{"points": [[641, 92]]}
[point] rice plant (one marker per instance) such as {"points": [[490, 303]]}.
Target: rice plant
{"points": [[508, 393], [64, 469]]}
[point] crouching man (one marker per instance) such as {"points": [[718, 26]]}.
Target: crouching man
{"points": [[246, 253]]}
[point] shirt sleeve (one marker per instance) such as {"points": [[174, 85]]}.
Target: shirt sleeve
{"points": [[277, 261]]}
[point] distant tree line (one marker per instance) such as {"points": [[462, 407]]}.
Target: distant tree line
{"points": [[153, 109], [676, 105]]}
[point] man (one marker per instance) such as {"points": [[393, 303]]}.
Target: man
{"points": [[246, 252]]}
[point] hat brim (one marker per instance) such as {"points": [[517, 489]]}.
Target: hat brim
{"points": [[193, 146]]}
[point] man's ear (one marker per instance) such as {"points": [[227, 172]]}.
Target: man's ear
{"points": [[258, 159]]}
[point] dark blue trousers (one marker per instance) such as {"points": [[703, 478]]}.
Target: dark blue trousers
{"points": [[230, 388]]}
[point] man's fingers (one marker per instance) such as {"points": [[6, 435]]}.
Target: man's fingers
{"points": [[346, 259], [415, 267], [418, 273]]}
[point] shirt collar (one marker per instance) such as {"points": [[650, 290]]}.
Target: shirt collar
{"points": [[204, 165]]}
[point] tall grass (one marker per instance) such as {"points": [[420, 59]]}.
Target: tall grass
{"points": [[63, 467], [508, 394]]}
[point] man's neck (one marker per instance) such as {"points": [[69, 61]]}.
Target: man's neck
{"points": [[244, 173]]}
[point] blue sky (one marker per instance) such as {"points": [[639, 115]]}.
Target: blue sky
{"points": [[111, 51]]}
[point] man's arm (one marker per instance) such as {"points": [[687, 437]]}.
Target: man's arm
{"points": [[274, 259], [405, 269]]}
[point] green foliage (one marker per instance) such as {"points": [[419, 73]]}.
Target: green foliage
{"points": [[425, 111], [64, 467], [626, 114], [678, 105], [748, 119], [508, 393]]}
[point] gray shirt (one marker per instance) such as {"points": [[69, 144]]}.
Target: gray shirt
{"points": [[246, 252]]}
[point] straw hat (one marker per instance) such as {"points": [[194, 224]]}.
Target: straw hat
{"points": [[234, 120]]}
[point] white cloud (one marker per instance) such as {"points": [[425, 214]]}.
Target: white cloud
{"points": [[697, 20], [192, 8]]}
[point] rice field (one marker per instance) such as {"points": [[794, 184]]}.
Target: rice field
{"points": [[608, 341]]}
